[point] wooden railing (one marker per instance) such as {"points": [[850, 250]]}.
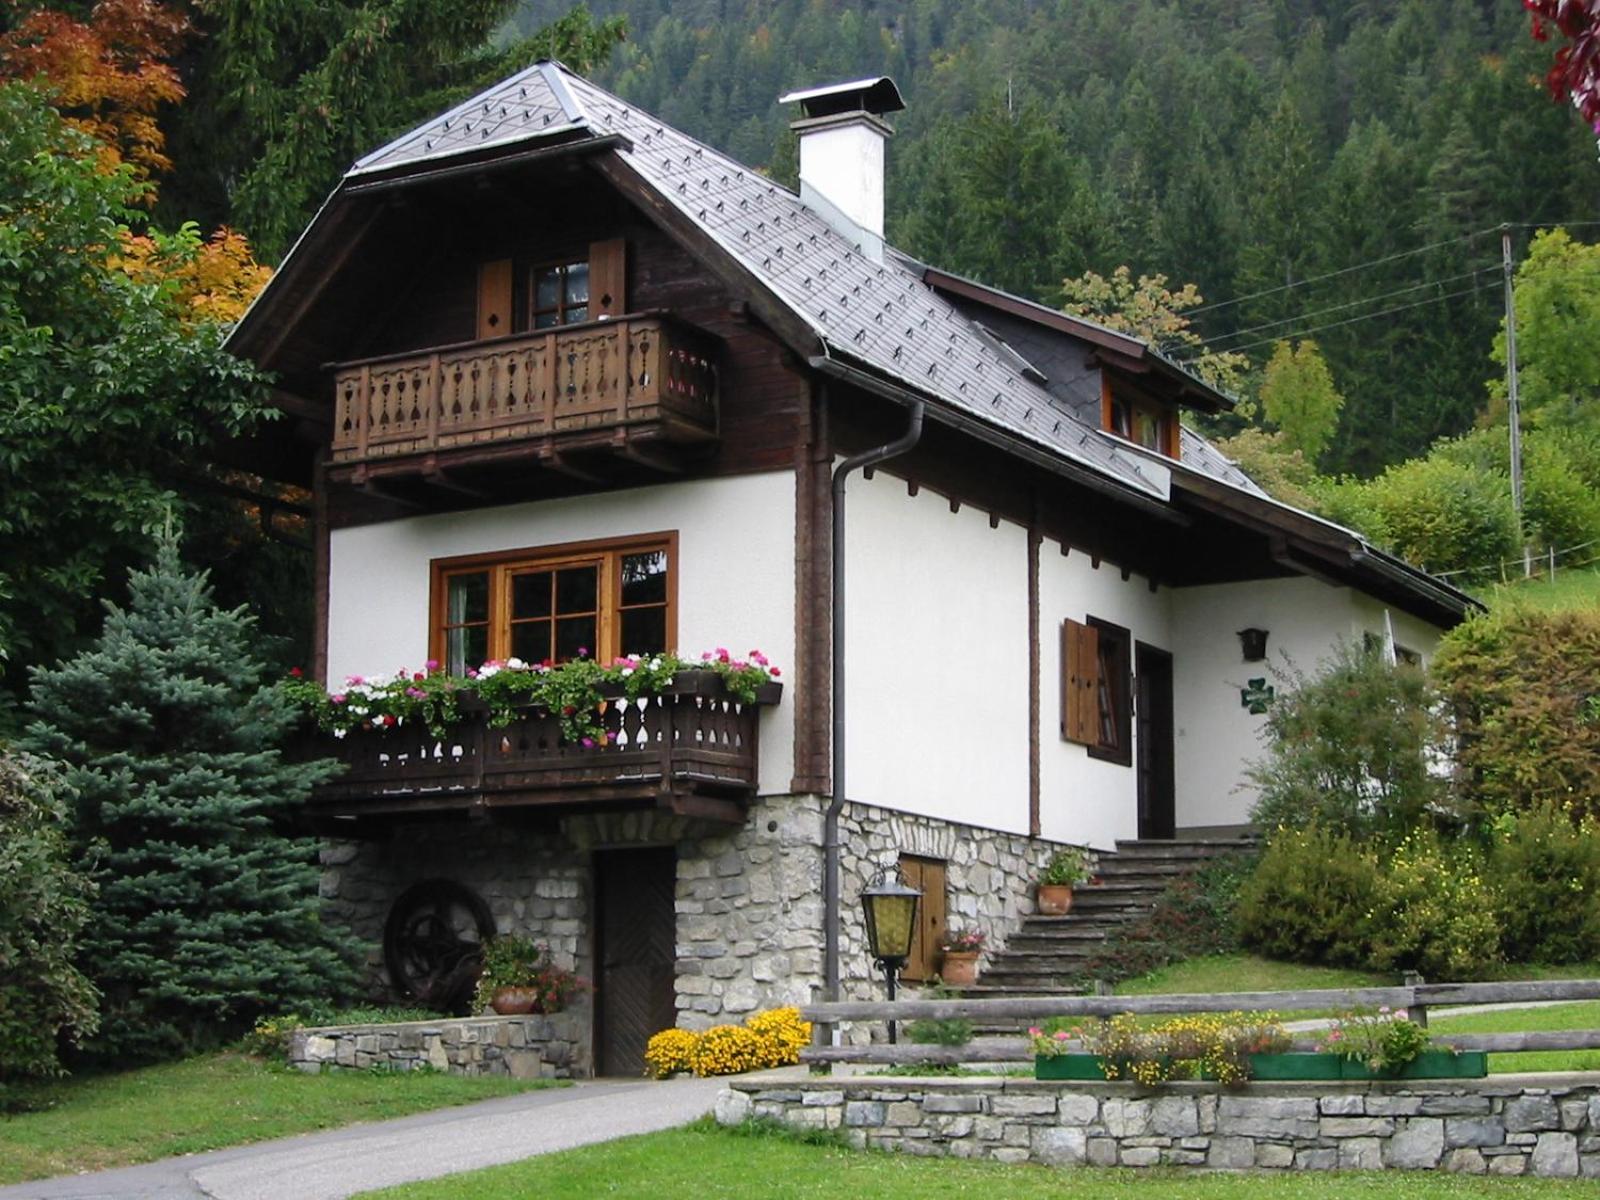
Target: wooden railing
{"points": [[692, 740], [1415, 998], [635, 370]]}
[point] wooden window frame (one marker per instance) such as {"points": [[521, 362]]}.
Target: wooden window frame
{"points": [[1137, 398], [528, 310], [503, 565], [1085, 649]]}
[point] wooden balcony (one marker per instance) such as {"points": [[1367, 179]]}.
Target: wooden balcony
{"points": [[644, 377], [691, 750]]}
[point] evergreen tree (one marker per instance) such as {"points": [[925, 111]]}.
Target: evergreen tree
{"points": [[207, 913]]}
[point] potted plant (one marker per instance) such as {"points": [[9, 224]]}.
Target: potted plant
{"points": [[1066, 869], [959, 966], [508, 981], [1389, 1045]]}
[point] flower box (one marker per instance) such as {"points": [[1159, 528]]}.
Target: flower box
{"points": [[1430, 1064], [1068, 1066], [1296, 1066]]}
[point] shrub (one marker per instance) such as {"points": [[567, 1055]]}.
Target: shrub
{"points": [[1192, 917], [1311, 898], [1434, 911], [1520, 685], [1445, 516], [773, 1038], [1545, 868], [1351, 749], [43, 907]]}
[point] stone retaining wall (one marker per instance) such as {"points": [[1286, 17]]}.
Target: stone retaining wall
{"points": [[1505, 1125], [531, 1047]]}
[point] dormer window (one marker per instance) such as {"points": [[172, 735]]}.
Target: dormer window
{"points": [[1139, 418], [565, 289]]}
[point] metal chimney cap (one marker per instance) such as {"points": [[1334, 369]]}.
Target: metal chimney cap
{"points": [[875, 96]]}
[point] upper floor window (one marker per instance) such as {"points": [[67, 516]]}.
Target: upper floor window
{"points": [[558, 294], [600, 599], [1144, 421]]}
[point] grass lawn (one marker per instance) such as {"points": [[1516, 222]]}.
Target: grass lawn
{"points": [[1247, 973], [702, 1161], [88, 1123], [1571, 589], [1558, 1016]]}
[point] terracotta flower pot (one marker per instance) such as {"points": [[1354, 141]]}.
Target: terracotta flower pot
{"points": [[1055, 899], [513, 1001], [959, 968]]}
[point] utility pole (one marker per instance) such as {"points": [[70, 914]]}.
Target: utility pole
{"points": [[1511, 383]]}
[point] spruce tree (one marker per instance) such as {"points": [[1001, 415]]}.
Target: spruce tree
{"points": [[207, 912]]}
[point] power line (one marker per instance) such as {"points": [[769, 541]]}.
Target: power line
{"points": [[1362, 266], [1352, 320], [1426, 283]]}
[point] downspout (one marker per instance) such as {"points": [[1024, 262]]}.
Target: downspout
{"points": [[830, 828]]}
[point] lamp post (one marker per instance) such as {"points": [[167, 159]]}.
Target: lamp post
{"points": [[891, 912]]}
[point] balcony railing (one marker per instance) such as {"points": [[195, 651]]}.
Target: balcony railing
{"points": [[693, 748], [645, 370]]}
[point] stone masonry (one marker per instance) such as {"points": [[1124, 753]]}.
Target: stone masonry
{"points": [[1506, 1125], [531, 1047]]}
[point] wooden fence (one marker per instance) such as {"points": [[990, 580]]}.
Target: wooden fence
{"points": [[1416, 998]]}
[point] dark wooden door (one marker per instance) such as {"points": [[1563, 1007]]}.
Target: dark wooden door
{"points": [[636, 949], [1153, 681]]}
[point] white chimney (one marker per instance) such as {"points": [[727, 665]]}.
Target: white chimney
{"points": [[842, 136]]}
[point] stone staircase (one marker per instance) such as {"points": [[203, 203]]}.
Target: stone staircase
{"points": [[1046, 955]]}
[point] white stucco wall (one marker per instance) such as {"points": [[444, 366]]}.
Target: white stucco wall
{"points": [[1081, 799], [937, 638], [1216, 736], [735, 576]]}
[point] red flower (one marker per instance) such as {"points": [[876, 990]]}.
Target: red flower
{"points": [[295, 672], [774, 672], [418, 677], [388, 719]]}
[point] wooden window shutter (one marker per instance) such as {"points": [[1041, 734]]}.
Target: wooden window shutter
{"points": [[607, 279], [1080, 677], [927, 875], [494, 299]]}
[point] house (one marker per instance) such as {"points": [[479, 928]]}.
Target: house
{"points": [[560, 376]]}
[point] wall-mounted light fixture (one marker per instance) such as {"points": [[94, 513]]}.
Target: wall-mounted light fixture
{"points": [[1254, 643]]}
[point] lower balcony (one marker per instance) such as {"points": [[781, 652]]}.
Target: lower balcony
{"points": [[691, 750]]}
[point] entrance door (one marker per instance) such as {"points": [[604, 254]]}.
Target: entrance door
{"points": [[634, 892], [1153, 701]]}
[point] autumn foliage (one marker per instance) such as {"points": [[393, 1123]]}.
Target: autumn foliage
{"points": [[108, 75], [212, 280], [1575, 72]]}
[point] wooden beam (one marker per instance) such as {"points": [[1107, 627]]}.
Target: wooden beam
{"points": [[436, 476], [554, 459], [705, 808]]}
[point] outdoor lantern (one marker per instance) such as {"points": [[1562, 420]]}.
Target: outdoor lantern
{"points": [[891, 911], [1254, 642]]}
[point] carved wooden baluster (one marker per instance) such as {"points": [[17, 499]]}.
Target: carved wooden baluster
{"points": [[430, 399]]}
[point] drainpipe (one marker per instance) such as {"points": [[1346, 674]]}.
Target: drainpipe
{"points": [[830, 828]]}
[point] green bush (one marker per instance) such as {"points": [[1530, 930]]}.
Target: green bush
{"points": [[1194, 916], [1559, 508], [1311, 898], [1446, 516], [1351, 749], [1434, 909], [1521, 685], [43, 907], [1545, 868], [1349, 502]]}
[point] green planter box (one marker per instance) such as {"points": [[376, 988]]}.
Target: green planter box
{"points": [[1296, 1066], [1430, 1064], [1068, 1066]]}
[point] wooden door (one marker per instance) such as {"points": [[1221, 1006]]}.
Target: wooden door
{"points": [[927, 876], [636, 950], [1153, 692]]}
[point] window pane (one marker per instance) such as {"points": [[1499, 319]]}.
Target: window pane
{"points": [[469, 598], [530, 641], [1121, 419], [577, 588], [547, 288], [574, 634], [644, 578], [465, 647], [644, 630], [546, 320], [530, 595], [580, 313], [1146, 429], [577, 284]]}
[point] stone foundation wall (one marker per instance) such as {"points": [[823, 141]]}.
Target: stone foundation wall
{"points": [[531, 1047], [1506, 1125], [750, 902], [536, 885]]}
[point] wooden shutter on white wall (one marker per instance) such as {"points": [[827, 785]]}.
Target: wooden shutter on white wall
{"points": [[1080, 676]]}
